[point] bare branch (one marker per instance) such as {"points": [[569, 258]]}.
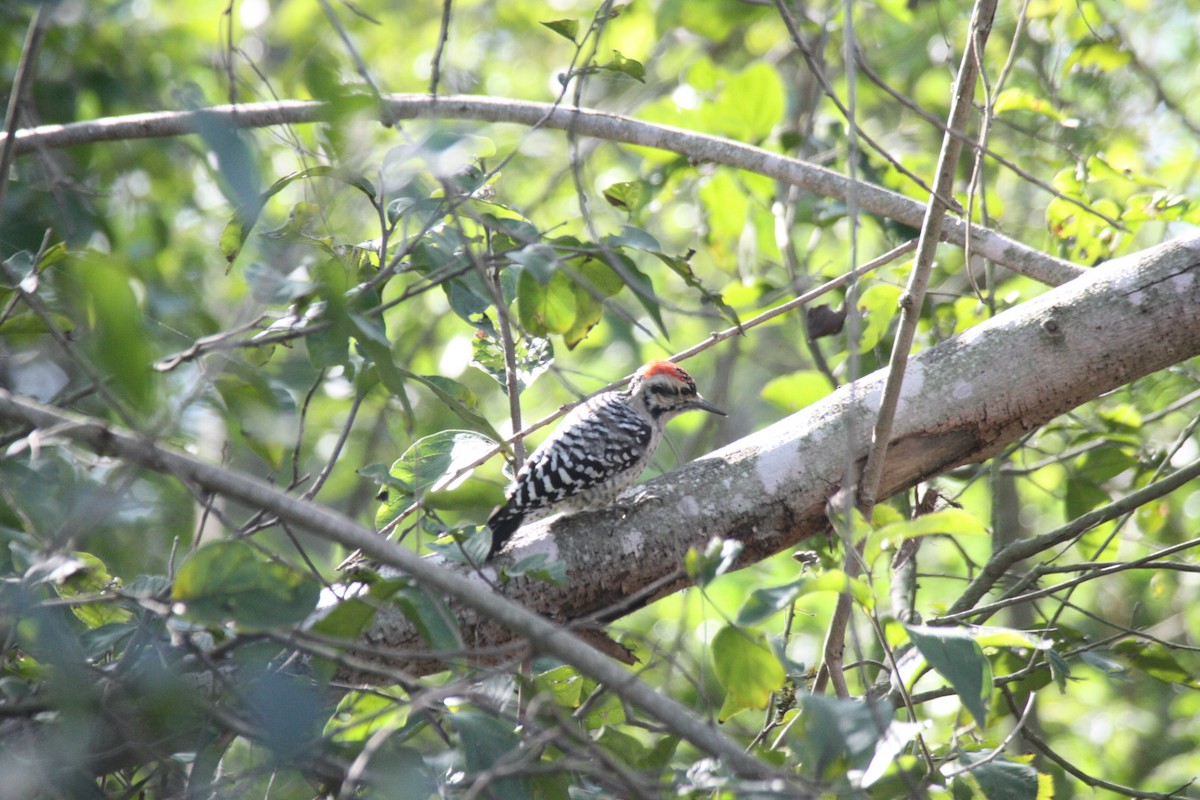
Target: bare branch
{"points": [[699, 147]]}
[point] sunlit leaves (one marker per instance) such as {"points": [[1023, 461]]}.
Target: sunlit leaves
{"points": [[878, 306], [532, 355], [438, 462], [792, 392], [746, 668], [83, 579], [237, 230], [1158, 661], [625, 195], [360, 714], [546, 307], [1097, 56], [625, 66], [764, 603], [1016, 99], [566, 28]]}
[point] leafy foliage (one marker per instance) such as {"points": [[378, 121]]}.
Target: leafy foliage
{"points": [[303, 303]]}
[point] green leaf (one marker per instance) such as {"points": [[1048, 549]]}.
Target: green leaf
{"points": [[350, 617], [546, 308], [28, 323], [434, 621], [1157, 661], [625, 66], [533, 356], [1105, 462], [456, 397], [1014, 99], [86, 576], [878, 305], [955, 655], [946, 521], [469, 545], [625, 195], [487, 742], [262, 410], [1082, 496], [1097, 56], [566, 28], [790, 393], [434, 463], [271, 286], [539, 260], [644, 291], [598, 278], [746, 668], [564, 684], [750, 105], [834, 580], [588, 313], [329, 347], [1003, 779], [831, 737], [634, 238], [683, 269], [230, 581], [237, 230], [1008, 637], [120, 341], [607, 712], [361, 714], [236, 165], [763, 603]]}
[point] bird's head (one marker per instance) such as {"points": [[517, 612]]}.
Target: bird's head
{"points": [[666, 390]]}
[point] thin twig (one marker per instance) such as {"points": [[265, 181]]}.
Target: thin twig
{"points": [[913, 298], [359, 63], [443, 36], [20, 91]]}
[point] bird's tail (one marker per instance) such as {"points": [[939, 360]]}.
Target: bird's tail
{"points": [[504, 522]]}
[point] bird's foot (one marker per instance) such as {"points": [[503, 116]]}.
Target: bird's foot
{"points": [[630, 500]]}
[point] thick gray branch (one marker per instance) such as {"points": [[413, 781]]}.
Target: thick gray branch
{"points": [[613, 127]]}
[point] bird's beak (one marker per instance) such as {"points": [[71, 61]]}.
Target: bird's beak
{"points": [[703, 405]]}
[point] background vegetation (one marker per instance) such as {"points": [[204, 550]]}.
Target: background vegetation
{"points": [[309, 303]]}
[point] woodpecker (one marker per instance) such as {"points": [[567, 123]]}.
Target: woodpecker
{"points": [[599, 449]]}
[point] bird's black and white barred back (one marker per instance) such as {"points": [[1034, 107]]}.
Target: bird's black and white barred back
{"points": [[598, 450]]}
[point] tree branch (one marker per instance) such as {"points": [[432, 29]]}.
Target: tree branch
{"points": [[613, 127]]}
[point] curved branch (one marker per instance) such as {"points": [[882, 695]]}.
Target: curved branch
{"points": [[613, 127]]}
